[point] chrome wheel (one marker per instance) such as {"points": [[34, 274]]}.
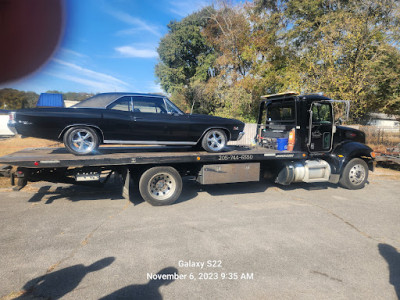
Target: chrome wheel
{"points": [[215, 140], [161, 186], [82, 141], [354, 175], [357, 174]]}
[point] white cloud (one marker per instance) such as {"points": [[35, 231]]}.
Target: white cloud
{"points": [[92, 74], [95, 86], [96, 81], [184, 8], [139, 24], [130, 51], [155, 88], [71, 52]]}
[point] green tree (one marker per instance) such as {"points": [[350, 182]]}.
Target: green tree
{"points": [[340, 45], [14, 99], [386, 70], [223, 58], [185, 57], [76, 96], [54, 92]]}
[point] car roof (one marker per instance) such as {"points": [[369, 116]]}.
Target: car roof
{"points": [[104, 99]]}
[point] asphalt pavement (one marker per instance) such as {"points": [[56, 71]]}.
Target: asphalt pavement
{"points": [[234, 241]]}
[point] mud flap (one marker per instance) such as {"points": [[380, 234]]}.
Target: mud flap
{"points": [[126, 189]]}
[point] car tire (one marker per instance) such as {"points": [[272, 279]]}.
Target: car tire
{"points": [[214, 140], [160, 185], [81, 140], [354, 175]]}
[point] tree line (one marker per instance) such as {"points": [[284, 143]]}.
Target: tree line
{"points": [[221, 59], [15, 99]]}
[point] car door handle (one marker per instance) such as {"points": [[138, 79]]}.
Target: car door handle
{"points": [[137, 118]]}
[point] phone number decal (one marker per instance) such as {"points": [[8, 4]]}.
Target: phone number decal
{"points": [[235, 157]]}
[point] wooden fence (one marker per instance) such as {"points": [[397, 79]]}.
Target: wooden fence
{"points": [[250, 132]]}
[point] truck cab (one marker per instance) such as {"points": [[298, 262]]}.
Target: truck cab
{"points": [[307, 123]]}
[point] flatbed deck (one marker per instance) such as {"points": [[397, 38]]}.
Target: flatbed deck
{"points": [[108, 156]]}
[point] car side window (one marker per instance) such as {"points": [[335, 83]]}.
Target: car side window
{"points": [[171, 109], [149, 105], [122, 104]]}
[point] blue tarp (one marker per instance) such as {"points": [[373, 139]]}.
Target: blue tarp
{"points": [[50, 100]]}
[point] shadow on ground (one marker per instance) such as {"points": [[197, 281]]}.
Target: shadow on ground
{"points": [[191, 188], [392, 257], [149, 290], [59, 283], [51, 193]]}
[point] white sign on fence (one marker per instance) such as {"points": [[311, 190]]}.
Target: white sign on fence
{"points": [[3, 126]]}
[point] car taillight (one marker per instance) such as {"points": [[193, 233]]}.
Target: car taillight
{"points": [[11, 116], [292, 139]]}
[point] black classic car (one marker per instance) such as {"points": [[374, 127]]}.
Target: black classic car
{"points": [[125, 118]]}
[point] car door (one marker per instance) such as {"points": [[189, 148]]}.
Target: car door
{"points": [[118, 119], [153, 121], [320, 127]]}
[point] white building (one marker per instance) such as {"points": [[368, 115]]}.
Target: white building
{"points": [[384, 121]]}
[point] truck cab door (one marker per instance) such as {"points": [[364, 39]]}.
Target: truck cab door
{"points": [[321, 127]]}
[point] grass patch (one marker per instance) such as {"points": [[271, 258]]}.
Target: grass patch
{"points": [[379, 139]]}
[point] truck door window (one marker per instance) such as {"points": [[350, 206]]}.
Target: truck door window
{"points": [[321, 113]]}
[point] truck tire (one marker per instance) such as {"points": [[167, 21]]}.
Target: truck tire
{"points": [[354, 175], [81, 140], [160, 185], [214, 140]]}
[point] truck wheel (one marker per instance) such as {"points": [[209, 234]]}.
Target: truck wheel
{"points": [[354, 175], [214, 140], [81, 140], [160, 185]]}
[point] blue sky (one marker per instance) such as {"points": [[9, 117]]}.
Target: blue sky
{"points": [[108, 45]]}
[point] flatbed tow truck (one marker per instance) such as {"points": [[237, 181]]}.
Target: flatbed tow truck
{"points": [[316, 151]]}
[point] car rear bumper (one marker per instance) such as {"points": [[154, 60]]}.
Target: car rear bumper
{"points": [[11, 126], [241, 134]]}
